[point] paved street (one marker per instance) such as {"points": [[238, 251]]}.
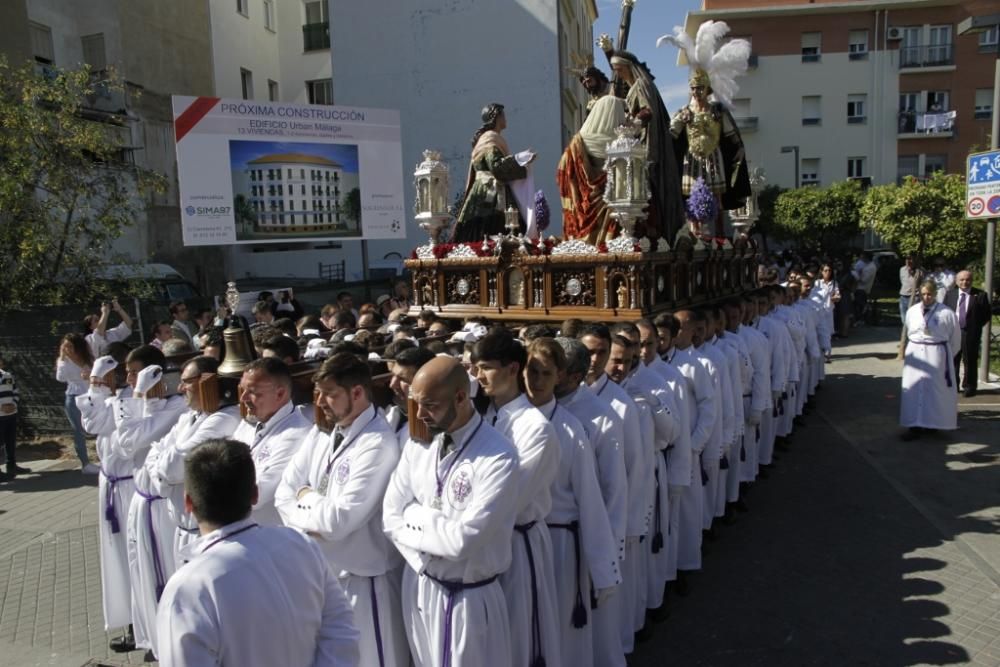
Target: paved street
{"points": [[859, 549]]}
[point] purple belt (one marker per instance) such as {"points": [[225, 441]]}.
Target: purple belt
{"points": [[161, 580], [378, 626], [579, 611], [947, 372], [453, 587], [110, 515], [537, 659]]}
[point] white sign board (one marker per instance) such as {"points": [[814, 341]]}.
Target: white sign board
{"points": [[982, 186], [268, 172]]}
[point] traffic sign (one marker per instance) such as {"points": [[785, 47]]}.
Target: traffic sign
{"points": [[982, 185]]}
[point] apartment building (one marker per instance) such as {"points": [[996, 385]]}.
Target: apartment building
{"points": [[870, 89]]}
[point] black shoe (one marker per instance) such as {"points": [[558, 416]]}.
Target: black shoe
{"points": [[681, 585], [910, 434], [969, 392], [13, 470], [644, 635], [781, 446], [799, 421], [123, 644], [658, 615], [741, 506], [708, 535], [149, 657]]}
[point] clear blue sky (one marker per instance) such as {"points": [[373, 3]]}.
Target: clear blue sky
{"points": [[650, 19]]}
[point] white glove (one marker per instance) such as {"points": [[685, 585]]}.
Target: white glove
{"points": [[103, 366], [604, 594], [776, 396], [147, 378], [754, 417]]}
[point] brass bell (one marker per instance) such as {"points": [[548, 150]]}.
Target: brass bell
{"points": [[236, 337]]}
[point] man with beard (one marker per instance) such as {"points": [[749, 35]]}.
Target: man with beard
{"points": [[333, 489], [529, 584], [596, 84], [450, 509], [165, 461], [404, 367], [272, 428]]}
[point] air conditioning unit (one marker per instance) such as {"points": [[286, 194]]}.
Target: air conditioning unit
{"points": [[894, 34]]}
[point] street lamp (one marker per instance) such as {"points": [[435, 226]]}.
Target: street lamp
{"points": [[971, 26], [793, 149]]}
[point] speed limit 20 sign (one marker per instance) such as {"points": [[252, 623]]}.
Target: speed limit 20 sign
{"points": [[982, 185]]}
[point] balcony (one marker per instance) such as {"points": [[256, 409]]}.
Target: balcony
{"points": [[315, 36], [938, 55], [913, 124], [747, 123]]}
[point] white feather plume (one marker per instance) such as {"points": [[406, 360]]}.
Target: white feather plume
{"points": [[722, 64]]}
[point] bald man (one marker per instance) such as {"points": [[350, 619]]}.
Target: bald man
{"points": [[450, 510], [973, 311]]}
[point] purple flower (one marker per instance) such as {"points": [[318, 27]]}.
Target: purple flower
{"points": [[541, 211], [701, 204]]}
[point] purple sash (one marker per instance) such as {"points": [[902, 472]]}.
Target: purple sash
{"points": [[161, 580], [453, 587], [110, 514]]}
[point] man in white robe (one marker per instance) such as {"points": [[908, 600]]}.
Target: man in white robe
{"points": [[758, 403], [678, 455], [779, 345], [333, 489], [115, 490], [743, 373], [251, 594], [165, 461], [272, 428], [796, 334], [606, 433], [582, 542], [450, 509], [141, 421], [404, 367], [529, 584], [713, 361], [929, 400], [733, 388]]}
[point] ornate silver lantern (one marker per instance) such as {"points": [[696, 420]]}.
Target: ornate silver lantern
{"points": [[627, 189], [744, 217], [431, 206]]}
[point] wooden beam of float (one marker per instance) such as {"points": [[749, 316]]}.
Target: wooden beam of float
{"points": [[456, 282]]}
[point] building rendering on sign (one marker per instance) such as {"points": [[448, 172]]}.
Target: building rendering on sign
{"points": [[870, 89]]}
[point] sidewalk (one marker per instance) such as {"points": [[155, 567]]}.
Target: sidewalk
{"points": [[860, 549]]}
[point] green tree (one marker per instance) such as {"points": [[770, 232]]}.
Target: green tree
{"points": [[766, 200], [926, 218], [352, 205], [66, 191], [820, 219]]}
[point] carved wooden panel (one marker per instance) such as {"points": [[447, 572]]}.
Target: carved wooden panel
{"points": [[463, 287], [573, 288]]}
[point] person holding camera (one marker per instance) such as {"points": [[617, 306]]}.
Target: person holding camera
{"points": [[73, 367], [98, 336]]}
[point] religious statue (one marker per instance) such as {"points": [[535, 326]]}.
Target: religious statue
{"points": [[428, 295], [643, 103], [622, 295], [596, 84], [706, 140], [581, 176], [492, 169]]}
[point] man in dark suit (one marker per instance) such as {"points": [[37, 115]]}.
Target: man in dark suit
{"points": [[973, 311]]}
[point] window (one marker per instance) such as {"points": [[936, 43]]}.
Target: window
{"points": [[906, 165], [242, 6], [316, 29], [933, 164], [984, 103], [810, 46], [810, 171], [988, 39], [855, 167], [811, 110], [93, 52], [939, 46], [272, 90], [908, 101], [269, 15], [246, 81], [857, 108], [857, 45], [316, 12], [741, 107], [937, 101], [41, 43], [910, 50], [320, 91]]}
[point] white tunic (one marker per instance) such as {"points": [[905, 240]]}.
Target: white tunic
{"points": [[759, 404], [255, 595], [930, 395], [452, 519], [150, 531], [531, 576], [167, 467], [345, 519], [582, 542], [272, 444], [115, 489]]}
